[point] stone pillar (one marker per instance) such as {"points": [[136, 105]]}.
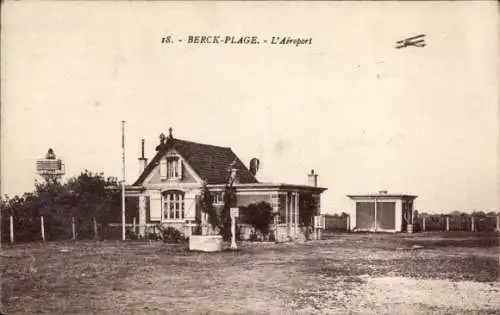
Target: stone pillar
{"points": [[142, 215], [472, 224], [423, 223], [275, 203], [447, 223], [498, 223], [275, 224], [399, 216]]}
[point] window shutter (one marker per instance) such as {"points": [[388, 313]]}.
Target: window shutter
{"points": [[179, 171], [155, 206], [163, 169], [189, 206]]}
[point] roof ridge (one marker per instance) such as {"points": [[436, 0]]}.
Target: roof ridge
{"points": [[204, 144]]}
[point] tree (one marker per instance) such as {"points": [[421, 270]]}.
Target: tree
{"points": [[84, 196], [478, 213], [225, 214], [206, 204]]}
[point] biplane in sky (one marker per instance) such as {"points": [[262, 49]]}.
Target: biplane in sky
{"points": [[417, 41]]}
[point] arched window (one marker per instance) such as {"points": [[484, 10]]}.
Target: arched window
{"points": [[173, 201]]}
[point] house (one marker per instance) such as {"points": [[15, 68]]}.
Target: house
{"points": [[382, 212], [169, 186]]}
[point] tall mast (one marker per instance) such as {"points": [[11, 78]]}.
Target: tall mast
{"points": [[123, 180]]}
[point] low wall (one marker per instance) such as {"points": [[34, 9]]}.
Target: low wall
{"points": [[303, 234], [205, 243], [246, 231]]}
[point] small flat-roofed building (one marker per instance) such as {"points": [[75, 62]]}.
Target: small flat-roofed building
{"points": [[382, 212]]}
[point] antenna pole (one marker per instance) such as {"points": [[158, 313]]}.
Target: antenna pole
{"points": [[123, 180]]}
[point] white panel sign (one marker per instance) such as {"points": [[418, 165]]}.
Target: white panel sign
{"points": [[235, 212], [319, 222]]}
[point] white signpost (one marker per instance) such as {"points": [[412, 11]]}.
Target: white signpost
{"points": [[319, 224], [235, 212]]}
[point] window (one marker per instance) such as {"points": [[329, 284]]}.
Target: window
{"points": [[171, 168], [218, 198], [173, 205]]}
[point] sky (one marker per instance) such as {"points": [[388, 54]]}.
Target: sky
{"points": [[364, 115]]}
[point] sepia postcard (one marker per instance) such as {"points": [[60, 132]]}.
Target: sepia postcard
{"points": [[250, 157]]}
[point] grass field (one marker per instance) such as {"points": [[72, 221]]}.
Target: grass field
{"points": [[453, 273]]}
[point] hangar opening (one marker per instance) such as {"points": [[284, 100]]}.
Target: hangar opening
{"points": [[382, 212]]}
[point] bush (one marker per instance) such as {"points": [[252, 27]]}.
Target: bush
{"points": [[259, 216], [152, 236], [254, 237], [272, 237], [197, 230], [131, 235], [172, 235]]}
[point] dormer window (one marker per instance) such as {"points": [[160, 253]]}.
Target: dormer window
{"points": [[171, 168]]}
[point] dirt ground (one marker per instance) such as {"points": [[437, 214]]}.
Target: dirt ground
{"points": [[424, 273]]}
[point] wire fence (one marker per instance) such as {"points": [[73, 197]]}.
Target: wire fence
{"points": [[45, 228], [31, 229], [440, 222]]}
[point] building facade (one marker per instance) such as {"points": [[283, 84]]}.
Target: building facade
{"points": [[168, 189]]}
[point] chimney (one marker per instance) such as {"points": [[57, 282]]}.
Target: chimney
{"points": [[254, 166], [313, 179], [143, 161]]}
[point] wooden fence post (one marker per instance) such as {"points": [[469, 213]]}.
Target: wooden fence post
{"points": [[73, 228], [423, 223], [447, 223], [348, 222], [472, 224], [11, 229], [95, 228], [42, 228], [498, 223], [133, 225]]}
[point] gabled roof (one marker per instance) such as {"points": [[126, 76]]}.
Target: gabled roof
{"points": [[211, 163]]}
